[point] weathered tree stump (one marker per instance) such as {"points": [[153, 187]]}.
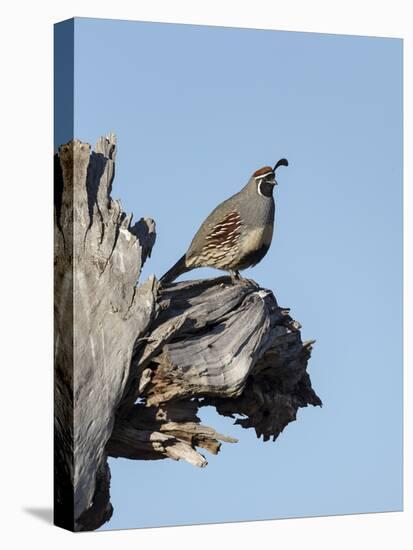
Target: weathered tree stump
{"points": [[134, 364]]}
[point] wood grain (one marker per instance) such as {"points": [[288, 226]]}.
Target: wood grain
{"points": [[134, 364]]}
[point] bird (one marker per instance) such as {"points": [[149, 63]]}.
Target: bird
{"points": [[237, 233]]}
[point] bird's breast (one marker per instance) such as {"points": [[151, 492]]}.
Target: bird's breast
{"points": [[257, 237]]}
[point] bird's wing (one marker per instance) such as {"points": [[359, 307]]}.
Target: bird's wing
{"points": [[219, 245], [225, 232]]}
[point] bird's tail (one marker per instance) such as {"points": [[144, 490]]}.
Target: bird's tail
{"points": [[176, 270]]}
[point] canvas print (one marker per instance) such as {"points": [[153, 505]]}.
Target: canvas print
{"points": [[228, 274]]}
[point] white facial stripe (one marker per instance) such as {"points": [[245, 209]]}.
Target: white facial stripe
{"points": [[263, 175]]}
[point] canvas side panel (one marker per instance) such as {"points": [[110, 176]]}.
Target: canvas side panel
{"points": [[63, 276]]}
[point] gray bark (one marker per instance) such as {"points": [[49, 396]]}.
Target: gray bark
{"points": [[134, 364], [99, 313]]}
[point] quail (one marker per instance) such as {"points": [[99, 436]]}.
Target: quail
{"points": [[238, 233]]}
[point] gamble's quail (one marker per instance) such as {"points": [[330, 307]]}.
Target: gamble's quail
{"points": [[238, 233]]}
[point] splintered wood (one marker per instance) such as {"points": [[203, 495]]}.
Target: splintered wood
{"points": [[135, 364]]}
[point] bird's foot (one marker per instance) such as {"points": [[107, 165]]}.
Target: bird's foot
{"points": [[250, 282], [236, 278]]}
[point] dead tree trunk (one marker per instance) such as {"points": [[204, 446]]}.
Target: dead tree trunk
{"points": [[133, 364]]}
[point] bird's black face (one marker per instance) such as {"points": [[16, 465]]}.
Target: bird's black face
{"points": [[265, 185]]}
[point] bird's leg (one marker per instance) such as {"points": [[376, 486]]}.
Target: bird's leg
{"points": [[235, 276], [240, 278]]}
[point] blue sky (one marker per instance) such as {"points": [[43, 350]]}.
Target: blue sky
{"points": [[196, 110]]}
